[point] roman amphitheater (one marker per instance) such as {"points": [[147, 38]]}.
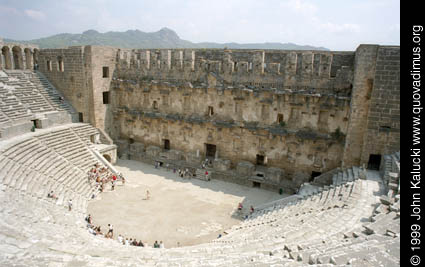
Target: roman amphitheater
{"points": [[308, 139]]}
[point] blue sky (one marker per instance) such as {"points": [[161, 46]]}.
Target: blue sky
{"points": [[337, 25]]}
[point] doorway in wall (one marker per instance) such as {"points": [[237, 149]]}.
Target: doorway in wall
{"points": [[166, 144], [210, 150], [374, 162], [36, 123], [314, 175], [261, 160]]}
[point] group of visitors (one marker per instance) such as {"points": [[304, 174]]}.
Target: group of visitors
{"points": [[184, 173], [240, 208], [102, 176], [130, 242], [206, 163], [181, 172], [96, 230]]}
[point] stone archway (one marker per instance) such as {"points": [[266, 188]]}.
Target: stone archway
{"points": [[35, 58], [7, 61], [17, 58], [28, 59]]}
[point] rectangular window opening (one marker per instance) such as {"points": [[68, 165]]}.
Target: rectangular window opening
{"points": [[105, 97], [80, 117], [166, 144], [279, 118], [105, 71], [60, 66], [210, 111]]}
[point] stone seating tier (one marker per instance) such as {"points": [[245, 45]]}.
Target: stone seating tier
{"points": [[25, 93]]}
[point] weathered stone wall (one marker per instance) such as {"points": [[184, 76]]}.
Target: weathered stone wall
{"points": [[98, 58], [383, 123], [304, 144], [78, 73], [249, 108], [71, 80], [303, 111], [374, 125]]}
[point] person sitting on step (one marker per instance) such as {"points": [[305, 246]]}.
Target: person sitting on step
{"points": [[52, 195]]}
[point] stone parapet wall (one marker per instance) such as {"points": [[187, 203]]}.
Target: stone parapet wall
{"points": [[320, 71]]}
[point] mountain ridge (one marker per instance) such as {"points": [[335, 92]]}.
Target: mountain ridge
{"points": [[164, 38]]}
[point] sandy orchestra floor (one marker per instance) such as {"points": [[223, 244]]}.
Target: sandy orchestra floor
{"points": [[188, 211]]}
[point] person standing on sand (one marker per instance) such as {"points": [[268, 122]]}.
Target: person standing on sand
{"points": [[148, 195]]}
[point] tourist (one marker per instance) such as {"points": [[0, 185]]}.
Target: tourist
{"points": [[135, 243], [147, 195], [120, 240], [140, 244], [219, 235], [206, 175], [91, 230], [70, 205], [113, 186], [111, 231], [240, 207], [161, 245], [156, 245], [126, 242], [52, 195], [88, 219], [98, 230]]}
